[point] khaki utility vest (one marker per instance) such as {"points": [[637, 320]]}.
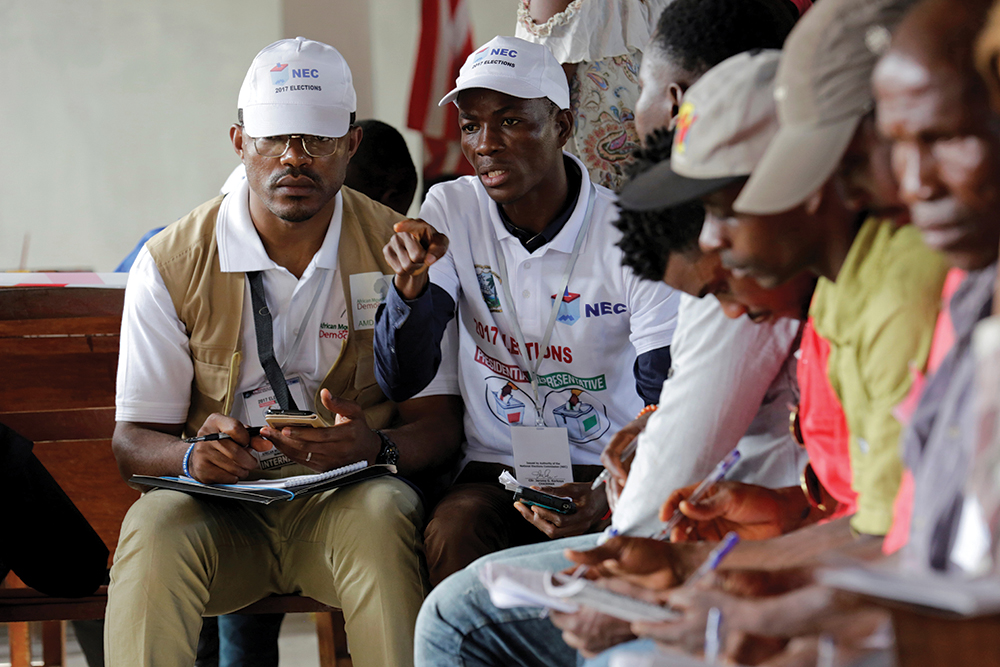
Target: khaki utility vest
{"points": [[210, 304]]}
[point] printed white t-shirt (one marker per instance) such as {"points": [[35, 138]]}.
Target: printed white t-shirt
{"points": [[607, 318]]}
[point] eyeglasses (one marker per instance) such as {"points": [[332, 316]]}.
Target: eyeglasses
{"points": [[277, 146]]}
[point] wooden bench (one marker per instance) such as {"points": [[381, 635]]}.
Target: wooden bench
{"points": [[59, 350]]}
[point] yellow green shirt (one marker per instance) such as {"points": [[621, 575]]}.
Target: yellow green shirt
{"points": [[878, 317]]}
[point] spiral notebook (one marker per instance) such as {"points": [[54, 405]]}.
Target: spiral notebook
{"points": [[269, 490]]}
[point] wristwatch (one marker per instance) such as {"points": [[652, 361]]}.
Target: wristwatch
{"points": [[390, 452]]}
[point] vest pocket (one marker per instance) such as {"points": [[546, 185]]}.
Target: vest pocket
{"points": [[211, 379]]}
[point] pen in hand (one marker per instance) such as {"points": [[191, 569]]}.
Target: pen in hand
{"points": [[626, 453], [717, 474], [715, 557], [254, 431]]}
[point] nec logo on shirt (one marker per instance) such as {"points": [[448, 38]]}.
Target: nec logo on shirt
{"points": [[569, 309], [604, 308]]}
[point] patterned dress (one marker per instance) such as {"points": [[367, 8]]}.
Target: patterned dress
{"points": [[605, 38]]}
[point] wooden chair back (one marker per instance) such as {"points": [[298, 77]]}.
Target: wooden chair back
{"points": [[59, 357], [59, 348]]}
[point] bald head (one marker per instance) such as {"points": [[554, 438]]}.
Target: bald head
{"points": [[934, 108]]}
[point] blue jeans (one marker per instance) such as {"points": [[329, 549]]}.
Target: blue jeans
{"points": [[249, 640], [634, 646], [458, 626]]}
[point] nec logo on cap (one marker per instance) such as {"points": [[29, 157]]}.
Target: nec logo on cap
{"points": [[482, 53], [279, 74], [505, 53]]}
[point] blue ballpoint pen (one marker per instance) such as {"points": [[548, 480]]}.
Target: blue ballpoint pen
{"points": [[712, 632], [720, 471], [717, 474], [715, 557]]}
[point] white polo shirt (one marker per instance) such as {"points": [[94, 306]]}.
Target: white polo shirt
{"points": [[607, 318], [155, 370]]}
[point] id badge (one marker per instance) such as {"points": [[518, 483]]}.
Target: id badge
{"points": [[368, 291], [256, 402], [541, 455]]}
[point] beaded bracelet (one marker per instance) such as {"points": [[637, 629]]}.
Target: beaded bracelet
{"points": [[187, 458], [646, 410]]}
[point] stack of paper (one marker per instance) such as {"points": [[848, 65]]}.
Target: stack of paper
{"points": [[968, 597], [511, 586]]}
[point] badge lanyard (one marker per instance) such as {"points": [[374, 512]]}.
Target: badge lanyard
{"points": [[262, 326], [557, 303]]}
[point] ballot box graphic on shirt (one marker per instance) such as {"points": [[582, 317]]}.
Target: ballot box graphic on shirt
{"points": [[582, 420], [509, 407], [579, 412], [569, 309]]}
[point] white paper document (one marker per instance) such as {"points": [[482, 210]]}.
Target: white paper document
{"points": [[541, 455], [656, 659], [511, 586], [967, 597]]}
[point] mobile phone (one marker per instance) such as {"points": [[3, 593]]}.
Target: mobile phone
{"points": [[559, 504], [276, 418]]}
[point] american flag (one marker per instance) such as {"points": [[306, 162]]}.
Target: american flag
{"points": [[445, 42]]}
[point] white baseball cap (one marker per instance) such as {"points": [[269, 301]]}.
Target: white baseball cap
{"points": [[298, 86], [516, 67]]}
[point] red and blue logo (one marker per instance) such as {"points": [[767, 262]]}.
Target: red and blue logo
{"points": [[480, 54], [279, 74]]}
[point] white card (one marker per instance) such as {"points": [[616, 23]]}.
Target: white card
{"points": [[541, 455], [256, 402], [368, 290]]}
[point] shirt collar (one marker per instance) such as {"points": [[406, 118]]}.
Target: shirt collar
{"points": [[240, 247], [533, 242], [973, 300], [574, 214]]}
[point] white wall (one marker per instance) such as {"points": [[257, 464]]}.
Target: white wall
{"points": [[115, 118], [115, 113]]}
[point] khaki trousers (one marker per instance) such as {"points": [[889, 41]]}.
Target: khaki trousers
{"points": [[181, 557]]}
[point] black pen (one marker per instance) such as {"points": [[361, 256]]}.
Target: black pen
{"points": [[254, 431]]}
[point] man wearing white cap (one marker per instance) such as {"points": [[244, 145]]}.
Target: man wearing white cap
{"points": [[264, 297], [560, 346]]}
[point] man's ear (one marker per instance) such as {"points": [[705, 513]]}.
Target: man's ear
{"points": [[236, 136], [387, 196], [856, 197], [356, 134], [675, 93], [814, 202], [564, 121]]}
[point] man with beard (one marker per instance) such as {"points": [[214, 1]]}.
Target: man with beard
{"points": [[266, 297]]}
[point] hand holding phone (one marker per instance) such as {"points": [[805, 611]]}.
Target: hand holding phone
{"points": [[278, 419], [529, 496], [560, 504]]}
